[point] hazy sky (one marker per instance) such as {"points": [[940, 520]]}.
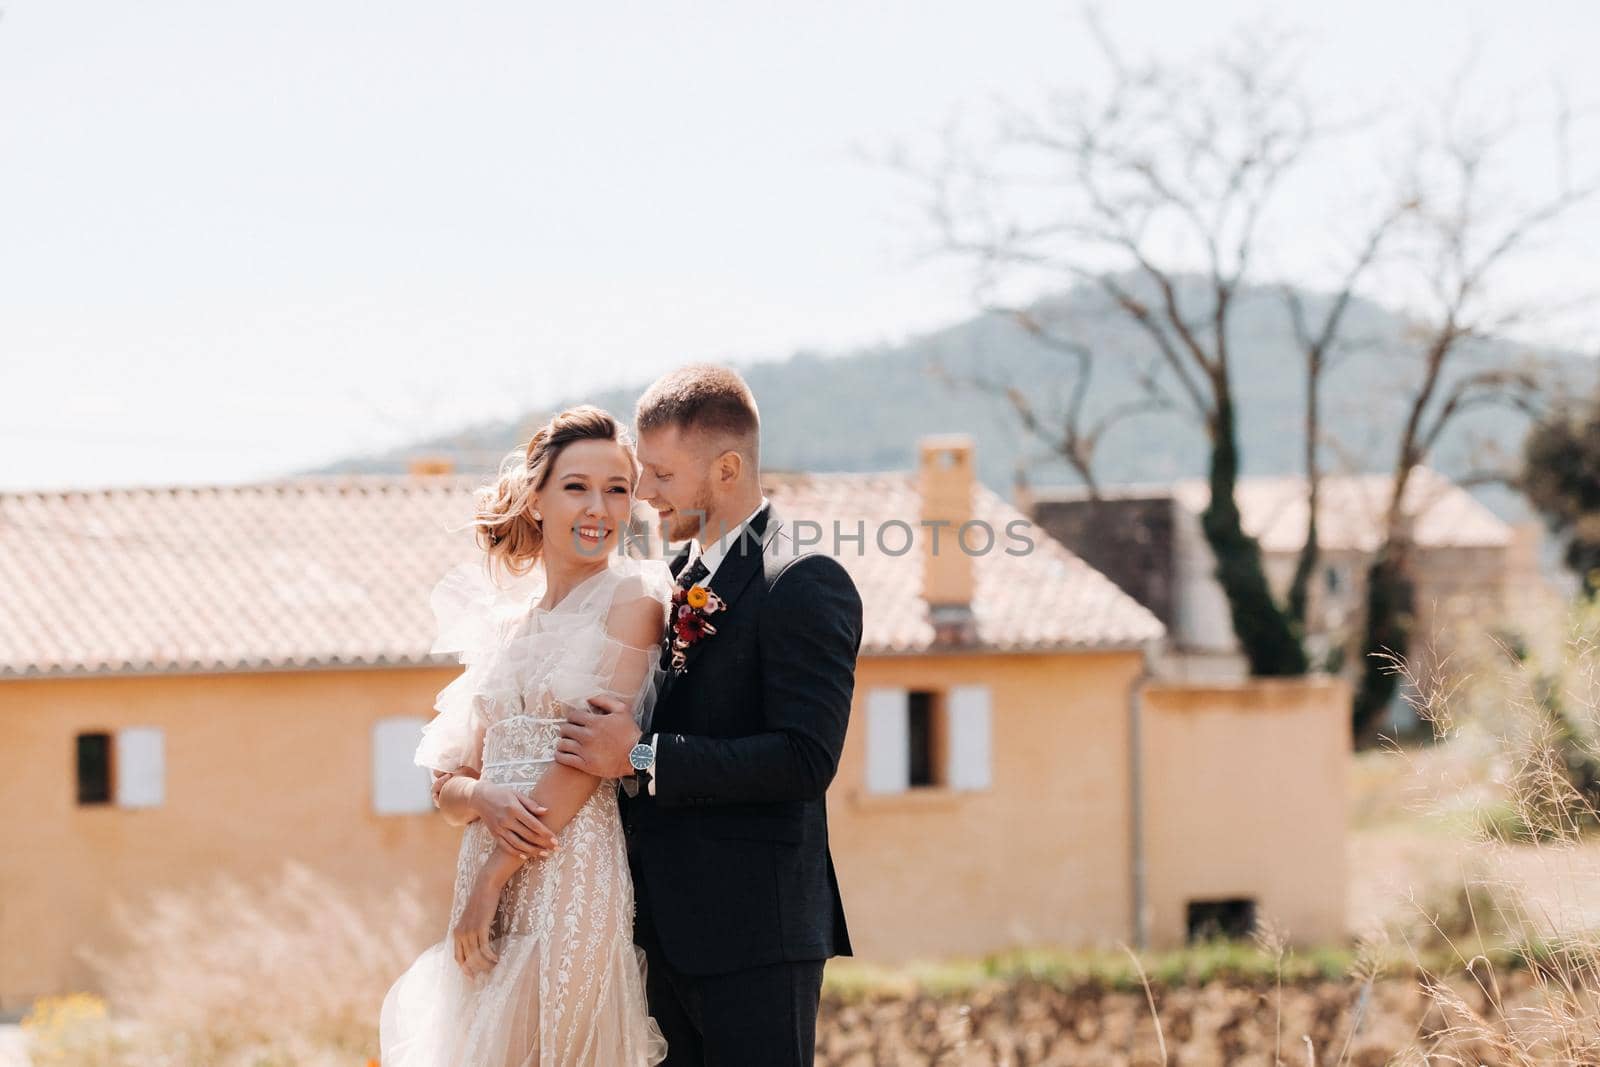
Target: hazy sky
{"points": [[239, 238]]}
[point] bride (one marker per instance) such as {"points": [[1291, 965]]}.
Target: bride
{"points": [[539, 968]]}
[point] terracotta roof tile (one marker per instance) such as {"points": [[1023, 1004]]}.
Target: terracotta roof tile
{"points": [[336, 572], [1044, 598]]}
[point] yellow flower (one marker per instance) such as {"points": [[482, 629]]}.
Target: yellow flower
{"points": [[697, 596]]}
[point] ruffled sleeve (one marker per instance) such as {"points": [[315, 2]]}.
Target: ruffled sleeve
{"points": [[636, 674], [468, 608], [621, 667]]}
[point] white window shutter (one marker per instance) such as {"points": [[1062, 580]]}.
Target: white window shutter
{"points": [[888, 741], [971, 746], [140, 768], [399, 786]]}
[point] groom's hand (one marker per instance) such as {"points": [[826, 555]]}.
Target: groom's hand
{"points": [[597, 739]]}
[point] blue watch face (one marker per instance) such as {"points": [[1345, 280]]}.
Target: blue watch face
{"points": [[640, 757]]}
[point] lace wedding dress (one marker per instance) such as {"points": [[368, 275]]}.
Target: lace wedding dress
{"points": [[569, 985]]}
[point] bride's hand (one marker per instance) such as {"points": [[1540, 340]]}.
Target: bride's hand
{"points": [[513, 819], [470, 937]]}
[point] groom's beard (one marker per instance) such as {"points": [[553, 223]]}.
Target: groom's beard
{"points": [[685, 523]]}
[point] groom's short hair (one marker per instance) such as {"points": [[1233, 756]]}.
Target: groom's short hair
{"points": [[703, 398]]}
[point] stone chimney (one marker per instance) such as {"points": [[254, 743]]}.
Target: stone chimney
{"points": [[426, 466], [945, 485]]}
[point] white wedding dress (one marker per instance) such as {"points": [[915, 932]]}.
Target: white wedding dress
{"points": [[569, 985]]}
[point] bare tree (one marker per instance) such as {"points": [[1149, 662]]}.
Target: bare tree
{"points": [[1151, 194], [1319, 345], [1169, 165], [1463, 235], [1063, 422]]}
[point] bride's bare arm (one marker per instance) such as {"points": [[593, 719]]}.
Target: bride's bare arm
{"points": [[452, 795], [470, 939], [514, 819], [565, 791]]}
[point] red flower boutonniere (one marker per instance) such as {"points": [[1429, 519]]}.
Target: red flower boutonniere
{"points": [[692, 609]]}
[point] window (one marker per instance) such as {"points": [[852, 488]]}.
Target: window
{"points": [[921, 739], [1230, 919], [94, 768], [128, 766], [399, 786]]}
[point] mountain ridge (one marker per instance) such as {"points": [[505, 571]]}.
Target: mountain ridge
{"points": [[864, 409]]}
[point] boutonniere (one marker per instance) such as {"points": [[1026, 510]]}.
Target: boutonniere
{"points": [[692, 609]]}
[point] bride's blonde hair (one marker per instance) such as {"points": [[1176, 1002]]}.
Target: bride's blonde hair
{"points": [[504, 522]]}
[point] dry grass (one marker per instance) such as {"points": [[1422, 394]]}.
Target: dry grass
{"points": [[289, 972], [1529, 835]]}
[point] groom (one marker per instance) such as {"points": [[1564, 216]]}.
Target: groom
{"points": [[737, 906]]}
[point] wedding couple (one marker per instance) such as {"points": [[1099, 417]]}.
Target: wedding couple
{"points": [[639, 755]]}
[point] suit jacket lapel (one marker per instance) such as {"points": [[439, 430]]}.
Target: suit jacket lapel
{"points": [[742, 560], [680, 561]]}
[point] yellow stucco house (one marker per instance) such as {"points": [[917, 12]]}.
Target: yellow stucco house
{"points": [[204, 680]]}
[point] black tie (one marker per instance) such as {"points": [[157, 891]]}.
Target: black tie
{"points": [[694, 573]]}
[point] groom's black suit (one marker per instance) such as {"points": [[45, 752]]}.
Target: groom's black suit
{"points": [[737, 903]]}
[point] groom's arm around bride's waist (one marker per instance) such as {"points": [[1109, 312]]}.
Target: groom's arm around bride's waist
{"points": [[808, 635]]}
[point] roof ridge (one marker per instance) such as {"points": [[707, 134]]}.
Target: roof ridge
{"points": [[298, 482]]}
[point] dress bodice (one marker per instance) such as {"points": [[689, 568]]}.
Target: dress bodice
{"points": [[527, 665]]}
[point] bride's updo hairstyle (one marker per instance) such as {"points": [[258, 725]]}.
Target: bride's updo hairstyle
{"points": [[506, 529]]}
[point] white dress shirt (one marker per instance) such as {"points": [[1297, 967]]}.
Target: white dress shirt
{"points": [[719, 549], [713, 557]]}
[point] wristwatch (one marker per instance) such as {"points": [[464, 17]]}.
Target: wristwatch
{"points": [[642, 758]]}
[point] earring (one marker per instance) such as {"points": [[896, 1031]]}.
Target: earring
{"points": [[537, 517]]}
